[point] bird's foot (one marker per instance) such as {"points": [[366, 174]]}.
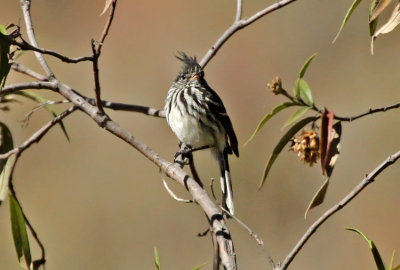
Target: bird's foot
{"points": [[182, 157]]}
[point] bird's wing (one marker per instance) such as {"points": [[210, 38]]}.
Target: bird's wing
{"points": [[218, 109]]}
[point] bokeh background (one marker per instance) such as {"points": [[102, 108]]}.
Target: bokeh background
{"points": [[98, 204]]}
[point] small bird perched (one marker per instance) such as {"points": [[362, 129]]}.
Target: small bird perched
{"points": [[198, 118]]}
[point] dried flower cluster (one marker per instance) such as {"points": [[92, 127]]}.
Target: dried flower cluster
{"points": [[306, 145], [275, 85]]}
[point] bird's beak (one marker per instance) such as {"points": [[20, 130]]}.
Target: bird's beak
{"points": [[195, 77]]}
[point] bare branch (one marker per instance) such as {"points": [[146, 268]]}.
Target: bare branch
{"points": [[24, 70], [26, 9], [370, 111], [96, 75], [38, 135], [12, 88], [239, 8], [369, 178], [217, 221], [239, 24], [107, 27]]}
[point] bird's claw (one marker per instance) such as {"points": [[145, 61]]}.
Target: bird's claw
{"points": [[182, 156]]}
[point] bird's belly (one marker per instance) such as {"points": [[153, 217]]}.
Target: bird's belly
{"points": [[189, 130]]}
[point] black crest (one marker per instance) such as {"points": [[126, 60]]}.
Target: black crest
{"points": [[190, 66]]}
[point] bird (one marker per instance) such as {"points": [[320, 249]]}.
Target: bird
{"points": [[197, 116]]}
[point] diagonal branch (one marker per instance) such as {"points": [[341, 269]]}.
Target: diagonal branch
{"points": [[369, 178], [240, 24], [26, 9], [38, 135]]}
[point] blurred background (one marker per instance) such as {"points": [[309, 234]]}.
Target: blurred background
{"points": [[97, 203]]}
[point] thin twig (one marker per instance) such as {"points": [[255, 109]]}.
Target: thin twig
{"points": [[212, 188], [370, 111], [171, 193], [239, 24], [239, 8], [12, 88], [369, 178], [107, 26], [41, 105], [26, 9], [96, 75], [24, 70], [42, 260], [38, 135]]}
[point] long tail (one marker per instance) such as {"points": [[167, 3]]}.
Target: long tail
{"points": [[226, 183]]}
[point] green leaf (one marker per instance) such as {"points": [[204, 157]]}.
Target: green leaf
{"points": [[305, 66], [157, 259], [377, 257], [20, 234], [200, 266], [5, 177], [4, 51], [297, 114], [303, 91], [347, 17], [6, 143], [283, 141], [373, 17], [39, 99], [268, 116], [392, 260]]}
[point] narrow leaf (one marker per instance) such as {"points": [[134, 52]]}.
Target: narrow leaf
{"points": [[305, 66], [377, 7], [157, 259], [303, 91], [4, 51], [377, 257], [283, 141], [296, 116], [39, 99], [318, 197], [326, 127], [373, 22], [268, 116], [20, 234], [106, 7], [347, 17], [200, 266], [6, 143], [392, 260], [333, 148], [393, 21], [5, 178]]}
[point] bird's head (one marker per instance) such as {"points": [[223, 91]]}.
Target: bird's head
{"points": [[191, 70]]}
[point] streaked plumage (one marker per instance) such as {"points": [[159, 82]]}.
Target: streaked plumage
{"points": [[198, 118]]}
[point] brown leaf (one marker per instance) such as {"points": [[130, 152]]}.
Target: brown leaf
{"points": [[333, 148], [382, 4], [107, 6], [393, 21], [326, 126]]}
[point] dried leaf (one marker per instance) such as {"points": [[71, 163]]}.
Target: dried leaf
{"points": [[268, 116], [377, 257], [296, 116], [305, 66], [347, 17], [318, 197], [283, 141], [303, 91], [326, 127], [377, 8], [107, 6], [393, 21], [334, 148], [20, 234]]}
